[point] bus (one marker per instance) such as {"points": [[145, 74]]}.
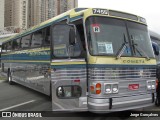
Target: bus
{"points": [[155, 38], [86, 59], [4, 36]]}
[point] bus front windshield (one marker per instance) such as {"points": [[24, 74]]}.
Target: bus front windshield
{"points": [[106, 36]]}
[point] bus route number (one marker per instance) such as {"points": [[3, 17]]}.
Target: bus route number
{"points": [[100, 11]]}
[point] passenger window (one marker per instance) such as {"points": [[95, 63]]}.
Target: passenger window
{"points": [[61, 42], [4, 47], [47, 37], [37, 39], [9, 46], [25, 43], [16, 44]]}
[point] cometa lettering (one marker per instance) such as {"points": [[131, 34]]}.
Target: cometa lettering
{"points": [[133, 61]]}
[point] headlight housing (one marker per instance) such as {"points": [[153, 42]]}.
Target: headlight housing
{"points": [[111, 87], [151, 85]]}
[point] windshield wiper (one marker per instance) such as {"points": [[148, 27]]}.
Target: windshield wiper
{"points": [[138, 49], [122, 48]]}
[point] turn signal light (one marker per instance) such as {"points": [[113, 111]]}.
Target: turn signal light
{"points": [[92, 89], [98, 88]]}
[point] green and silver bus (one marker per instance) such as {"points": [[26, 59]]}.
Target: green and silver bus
{"points": [[86, 59]]}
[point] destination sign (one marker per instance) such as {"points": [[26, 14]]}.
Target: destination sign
{"points": [[100, 11]]}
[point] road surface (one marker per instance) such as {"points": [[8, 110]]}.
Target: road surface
{"points": [[19, 98]]}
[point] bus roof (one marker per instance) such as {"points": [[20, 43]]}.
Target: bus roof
{"points": [[5, 37], [76, 13]]}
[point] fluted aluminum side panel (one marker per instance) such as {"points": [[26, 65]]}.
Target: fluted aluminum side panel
{"points": [[69, 74], [106, 73]]}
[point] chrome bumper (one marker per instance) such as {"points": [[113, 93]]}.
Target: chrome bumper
{"points": [[120, 104]]}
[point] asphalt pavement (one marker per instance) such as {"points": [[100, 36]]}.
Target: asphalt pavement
{"points": [[19, 98]]}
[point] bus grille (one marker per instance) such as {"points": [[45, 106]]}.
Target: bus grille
{"points": [[124, 77]]}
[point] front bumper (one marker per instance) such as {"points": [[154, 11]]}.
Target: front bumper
{"points": [[120, 104]]}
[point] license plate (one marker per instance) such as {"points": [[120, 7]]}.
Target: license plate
{"points": [[133, 86]]}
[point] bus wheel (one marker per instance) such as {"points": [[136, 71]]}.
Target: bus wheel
{"points": [[9, 77]]}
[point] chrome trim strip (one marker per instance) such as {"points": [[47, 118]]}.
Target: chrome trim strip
{"points": [[69, 60]]}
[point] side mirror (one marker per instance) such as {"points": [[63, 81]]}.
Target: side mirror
{"points": [[155, 48], [72, 36]]}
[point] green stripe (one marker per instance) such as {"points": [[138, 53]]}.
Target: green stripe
{"points": [[27, 61]]}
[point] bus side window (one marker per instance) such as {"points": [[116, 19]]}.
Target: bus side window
{"points": [[47, 39], [25, 43], [80, 31], [4, 48], [37, 39], [9, 46], [16, 44], [61, 42]]}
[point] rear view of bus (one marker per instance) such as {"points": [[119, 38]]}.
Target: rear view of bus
{"points": [[121, 63]]}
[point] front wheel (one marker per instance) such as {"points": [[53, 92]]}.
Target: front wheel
{"points": [[9, 77]]}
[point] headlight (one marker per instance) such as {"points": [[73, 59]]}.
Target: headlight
{"points": [[108, 88], [115, 88], [153, 87], [111, 87], [151, 84]]}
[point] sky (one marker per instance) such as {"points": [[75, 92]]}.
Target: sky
{"points": [[149, 9]]}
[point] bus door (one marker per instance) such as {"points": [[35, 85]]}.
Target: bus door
{"points": [[68, 75]]}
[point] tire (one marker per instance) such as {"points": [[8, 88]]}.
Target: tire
{"points": [[9, 78]]}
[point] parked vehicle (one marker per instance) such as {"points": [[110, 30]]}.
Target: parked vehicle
{"points": [[155, 38], [87, 59]]}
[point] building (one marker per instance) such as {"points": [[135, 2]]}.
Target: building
{"points": [[61, 6], [8, 13], [2, 14], [16, 13], [34, 12], [51, 8], [42, 10], [28, 13], [72, 4]]}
